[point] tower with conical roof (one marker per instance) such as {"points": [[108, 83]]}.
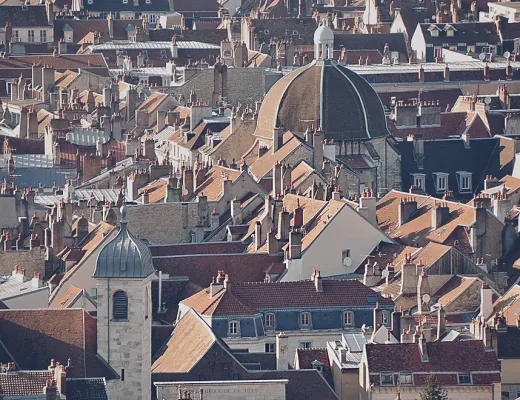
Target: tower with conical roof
{"points": [[124, 272]]}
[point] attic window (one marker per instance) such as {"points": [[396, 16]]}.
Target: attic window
{"points": [[464, 179], [386, 378], [405, 378], [464, 378], [450, 32], [441, 181], [418, 180]]}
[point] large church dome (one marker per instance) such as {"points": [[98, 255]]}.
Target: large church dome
{"points": [[323, 94]]}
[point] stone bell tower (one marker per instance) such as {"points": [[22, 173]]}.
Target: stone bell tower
{"points": [[124, 271]]}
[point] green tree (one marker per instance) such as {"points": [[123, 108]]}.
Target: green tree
{"points": [[432, 390]]}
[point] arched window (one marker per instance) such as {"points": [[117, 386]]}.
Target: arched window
{"points": [[120, 306]]}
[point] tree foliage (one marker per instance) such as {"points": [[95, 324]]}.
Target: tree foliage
{"points": [[432, 390]]}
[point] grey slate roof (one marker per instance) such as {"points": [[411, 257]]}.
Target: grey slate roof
{"points": [[124, 256], [87, 389]]}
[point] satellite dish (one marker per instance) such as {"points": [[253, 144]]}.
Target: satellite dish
{"points": [[426, 298], [507, 54], [347, 261], [482, 56], [434, 18], [487, 100], [391, 116], [184, 192], [385, 273]]}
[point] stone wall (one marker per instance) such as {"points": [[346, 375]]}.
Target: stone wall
{"points": [[126, 345]]}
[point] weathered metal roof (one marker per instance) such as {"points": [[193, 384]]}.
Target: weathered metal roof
{"points": [[124, 256]]}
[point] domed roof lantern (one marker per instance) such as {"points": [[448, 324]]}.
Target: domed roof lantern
{"points": [[125, 256], [323, 43]]}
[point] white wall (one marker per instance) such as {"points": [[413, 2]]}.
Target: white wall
{"points": [[23, 34], [33, 299]]}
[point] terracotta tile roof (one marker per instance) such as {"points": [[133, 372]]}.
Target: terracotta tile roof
{"points": [[44, 118], [445, 97], [213, 182], [305, 358], [82, 27], [471, 356], [153, 101], [301, 294], [34, 337], [311, 207], [68, 297], [354, 161], [173, 291], [156, 190], [95, 236], [456, 287], [190, 341], [313, 230], [223, 303], [509, 305], [264, 164], [202, 268], [197, 248], [418, 230], [24, 383], [61, 63], [31, 260], [301, 172], [512, 183]]}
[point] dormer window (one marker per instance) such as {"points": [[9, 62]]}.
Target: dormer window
{"points": [[440, 180], [405, 378], [269, 321], [305, 320], [418, 180], [233, 328], [386, 378], [348, 318], [434, 30], [464, 179], [464, 378]]}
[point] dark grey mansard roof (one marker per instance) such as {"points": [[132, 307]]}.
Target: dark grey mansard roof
{"points": [[124, 256]]}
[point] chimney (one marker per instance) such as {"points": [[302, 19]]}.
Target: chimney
{"points": [[217, 285], [446, 73], [277, 180], [236, 211], [282, 352], [490, 182], [258, 235], [441, 322], [480, 217], [409, 277], [272, 243], [378, 318], [466, 139], [423, 349], [407, 207], [215, 219], [502, 205], [295, 244], [227, 284], [486, 301], [440, 213], [406, 114], [284, 222], [50, 390], [298, 216], [421, 74], [372, 274], [318, 283], [396, 322], [368, 201], [60, 377], [318, 150]]}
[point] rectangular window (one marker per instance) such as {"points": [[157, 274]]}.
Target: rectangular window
{"points": [[270, 348], [405, 378], [418, 181], [152, 18], [233, 328], [93, 293], [30, 36], [305, 345], [387, 379], [122, 374], [464, 181], [465, 378], [348, 318], [269, 320], [305, 319], [43, 36], [16, 35], [441, 181]]}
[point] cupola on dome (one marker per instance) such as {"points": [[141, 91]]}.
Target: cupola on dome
{"points": [[124, 256]]}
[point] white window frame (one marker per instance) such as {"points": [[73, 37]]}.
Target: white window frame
{"points": [[465, 176], [43, 36], [461, 374], [270, 324], [348, 314], [234, 328], [386, 374], [441, 177], [405, 374], [30, 36], [419, 180], [305, 345], [16, 35], [305, 319], [385, 317]]}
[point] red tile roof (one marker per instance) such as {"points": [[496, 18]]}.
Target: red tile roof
{"points": [[202, 268], [470, 356], [34, 337], [24, 383], [305, 358], [197, 248]]}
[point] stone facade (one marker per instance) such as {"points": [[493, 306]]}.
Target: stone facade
{"points": [[126, 345]]}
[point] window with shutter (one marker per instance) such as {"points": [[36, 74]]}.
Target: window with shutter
{"points": [[120, 306]]}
